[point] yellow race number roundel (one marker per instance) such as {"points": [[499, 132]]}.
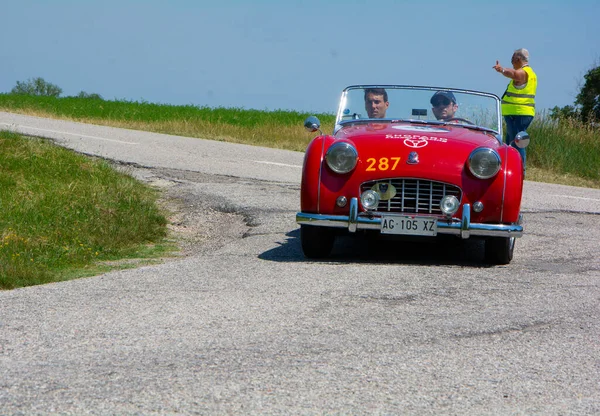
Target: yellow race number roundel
{"points": [[386, 191]]}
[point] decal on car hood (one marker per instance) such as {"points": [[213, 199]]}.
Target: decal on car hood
{"points": [[416, 141]]}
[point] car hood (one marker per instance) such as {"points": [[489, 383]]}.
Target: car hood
{"points": [[436, 152], [417, 136]]}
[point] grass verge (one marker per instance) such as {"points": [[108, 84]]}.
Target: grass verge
{"points": [[65, 215], [567, 150]]}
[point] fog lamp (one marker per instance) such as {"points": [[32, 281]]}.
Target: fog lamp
{"points": [[369, 199], [449, 205], [478, 206]]}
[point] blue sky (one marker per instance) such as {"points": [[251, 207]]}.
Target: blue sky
{"points": [[297, 55]]}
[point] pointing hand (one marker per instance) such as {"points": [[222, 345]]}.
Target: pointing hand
{"points": [[497, 67]]}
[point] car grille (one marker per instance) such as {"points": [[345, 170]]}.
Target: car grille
{"points": [[413, 196]]}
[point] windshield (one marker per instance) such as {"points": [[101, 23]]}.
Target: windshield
{"points": [[420, 104]]}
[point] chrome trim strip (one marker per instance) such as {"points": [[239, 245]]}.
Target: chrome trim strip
{"points": [[353, 215], [466, 221], [320, 173]]}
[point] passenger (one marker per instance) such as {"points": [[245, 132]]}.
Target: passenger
{"points": [[444, 105]]}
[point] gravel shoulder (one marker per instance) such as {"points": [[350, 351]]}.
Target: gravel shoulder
{"points": [[198, 222]]}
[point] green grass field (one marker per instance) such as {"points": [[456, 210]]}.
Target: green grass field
{"points": [[567, 148], [277, 129], [64, 215]]}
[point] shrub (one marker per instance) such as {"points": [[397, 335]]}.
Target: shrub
{"points": [[37, 86]]}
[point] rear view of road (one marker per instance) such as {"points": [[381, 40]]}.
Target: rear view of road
{"points": [[250, 326]]}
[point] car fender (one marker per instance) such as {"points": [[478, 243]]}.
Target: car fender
{"points": [[314, 158], [513, 185]]}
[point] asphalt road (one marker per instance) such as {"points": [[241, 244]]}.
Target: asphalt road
{"points": [[251, 327]]}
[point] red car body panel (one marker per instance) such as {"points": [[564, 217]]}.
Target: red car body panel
{"points": [[443, 152]]}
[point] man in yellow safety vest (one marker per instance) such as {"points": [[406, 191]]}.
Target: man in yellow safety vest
{"points": [[518, 101]]}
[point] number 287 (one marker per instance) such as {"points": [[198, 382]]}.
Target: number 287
{"points": [[383, 163]]}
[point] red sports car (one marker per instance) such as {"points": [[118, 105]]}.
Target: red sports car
{"points": [[413, 161]]}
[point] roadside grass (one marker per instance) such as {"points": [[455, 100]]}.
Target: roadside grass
{"points": [[65, 215], [276, 129], [568, 150]]}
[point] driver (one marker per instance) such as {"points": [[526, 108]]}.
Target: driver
{"points": [[376, 102], [444, 105]]}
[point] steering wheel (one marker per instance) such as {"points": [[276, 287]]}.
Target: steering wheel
{"points": [[460, 119]]}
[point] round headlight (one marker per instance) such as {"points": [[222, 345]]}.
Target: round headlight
{"points": [[341, 157], [449, 204], [369, 199], [484, 163]]}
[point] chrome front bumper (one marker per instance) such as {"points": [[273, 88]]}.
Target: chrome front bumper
{"points": [[463, 228]]}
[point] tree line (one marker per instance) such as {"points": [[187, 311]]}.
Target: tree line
{"points": [[40, 87], [587, 103]]}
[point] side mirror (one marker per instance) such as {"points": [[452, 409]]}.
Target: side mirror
{"points": [[312, 124], [522, 140]]}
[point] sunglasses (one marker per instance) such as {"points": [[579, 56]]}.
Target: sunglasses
{"points": [[441, 102]]}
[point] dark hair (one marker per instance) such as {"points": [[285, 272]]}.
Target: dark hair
{"points": [[377, 91], [446, 94]]}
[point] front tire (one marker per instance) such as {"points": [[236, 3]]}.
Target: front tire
{"points": [[499, 250], [317, 242]]}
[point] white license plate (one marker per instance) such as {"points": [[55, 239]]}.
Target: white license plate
{"points": [[408, 225]]}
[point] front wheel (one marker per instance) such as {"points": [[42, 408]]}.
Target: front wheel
{"points": [[499, 250], [317, 242]]}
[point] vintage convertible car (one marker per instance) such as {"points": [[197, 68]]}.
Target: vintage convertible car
{"points": [[392, 167]]}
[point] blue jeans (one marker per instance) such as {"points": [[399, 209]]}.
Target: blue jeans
{"points": [[515, 124]]}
